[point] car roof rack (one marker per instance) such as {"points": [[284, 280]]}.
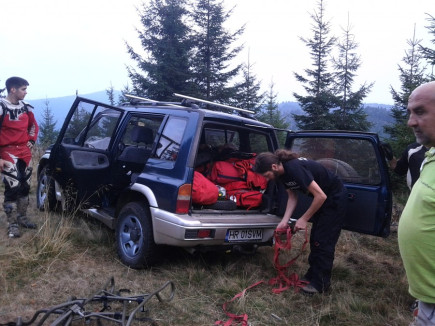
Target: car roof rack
{"points": [[143, 100], [242, 111]]}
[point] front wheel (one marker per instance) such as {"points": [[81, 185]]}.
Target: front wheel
{"points": [[134, 236], [45, 196]]}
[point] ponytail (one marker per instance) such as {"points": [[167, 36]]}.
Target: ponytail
{"points": [[264, 161], [285, 155]]}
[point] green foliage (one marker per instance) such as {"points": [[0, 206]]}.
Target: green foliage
{"points": [[249, 96], [412, 74], [77, 123], [214, 51], [111, 94], [319, 81], [350, 115], [168, 47], [187, 50], [429, 53], [47, 129], [270, 114]]}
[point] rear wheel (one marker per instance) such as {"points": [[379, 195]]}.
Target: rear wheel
{"points": [[45, 195], [134, 236]]}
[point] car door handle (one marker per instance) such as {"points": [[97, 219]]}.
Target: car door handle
{"points": [[101, 160], [351, 196]]}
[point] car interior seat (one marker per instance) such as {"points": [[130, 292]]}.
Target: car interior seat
{"points": [[138, 154]]}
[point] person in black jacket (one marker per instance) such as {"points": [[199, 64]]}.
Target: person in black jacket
{"points": [[409, 163], [326, 212]]}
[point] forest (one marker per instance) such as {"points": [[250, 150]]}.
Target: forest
{"points": [[187, 49]]}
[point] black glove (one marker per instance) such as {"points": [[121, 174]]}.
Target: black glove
{"points": [[388, 151]]}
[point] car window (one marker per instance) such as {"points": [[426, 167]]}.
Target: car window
{"points": [[141, 130], [244, 140], [101, 129], [222, 138], [354, 160], [101, 121], [170, 140], [258, 143]]}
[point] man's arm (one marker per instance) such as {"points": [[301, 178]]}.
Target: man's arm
{"points": [[32, 129], [401, 166]]}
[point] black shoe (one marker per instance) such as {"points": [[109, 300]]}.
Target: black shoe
{"points": [[309, 289], [13, 230], [25, 223]]}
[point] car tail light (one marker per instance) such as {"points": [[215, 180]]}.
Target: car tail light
{"points": [[183, 199], [204, 233]]}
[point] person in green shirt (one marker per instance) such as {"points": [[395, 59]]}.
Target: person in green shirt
{"points": [[416, 232]]}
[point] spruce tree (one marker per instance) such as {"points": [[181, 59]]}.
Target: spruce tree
{"points": [[412, 74], [350, 114], [164, 68], [429, 53], [318, 81], [47, 129], [270, 113], [215, 50], [110, 92], [249, 95]]}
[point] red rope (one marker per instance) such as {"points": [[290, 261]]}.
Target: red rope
{"points": [[243, 318], [283, 280]]}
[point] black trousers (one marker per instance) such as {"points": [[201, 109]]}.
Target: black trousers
{"points": [[325, 231]]}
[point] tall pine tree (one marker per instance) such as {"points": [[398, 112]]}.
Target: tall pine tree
{"points": [[429, 53], [270, 113], [47, 129], [214, 51], [412, 74], [164, 68], [319, 81], [249, 95], [110, 92], [350, 114]]}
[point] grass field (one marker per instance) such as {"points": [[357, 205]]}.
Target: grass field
{"points": [[73, 256]]}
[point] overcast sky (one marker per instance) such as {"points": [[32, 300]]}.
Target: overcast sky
{"points": [[61, 46]]}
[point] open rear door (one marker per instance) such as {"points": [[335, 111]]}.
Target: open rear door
{"points": [[358, 159]]}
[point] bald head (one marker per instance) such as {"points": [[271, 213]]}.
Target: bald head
{"points": [[421, 109], [424, 91]]}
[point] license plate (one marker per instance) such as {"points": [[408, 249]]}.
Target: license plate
{"points": [[240, 235]]}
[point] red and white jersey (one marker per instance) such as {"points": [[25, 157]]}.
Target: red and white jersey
{"points": [[19, 124]]}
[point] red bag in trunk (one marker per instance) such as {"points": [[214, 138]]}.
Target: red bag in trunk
{"points": [[224, 172], [204, 192], [247, 198]]}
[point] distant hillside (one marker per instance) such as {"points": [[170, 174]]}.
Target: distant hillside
{"points": [[377, 114], [60, 106]]}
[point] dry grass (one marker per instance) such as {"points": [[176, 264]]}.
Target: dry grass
{"points": [[72, 256]]}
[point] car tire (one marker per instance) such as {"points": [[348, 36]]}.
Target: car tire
{"points": [[134, 236], [45, 195], [340, 168]]}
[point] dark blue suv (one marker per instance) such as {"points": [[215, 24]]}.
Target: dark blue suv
{"points": [[132, 167]]}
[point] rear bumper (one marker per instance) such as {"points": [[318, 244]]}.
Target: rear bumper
{"points": [[176, 230]]}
